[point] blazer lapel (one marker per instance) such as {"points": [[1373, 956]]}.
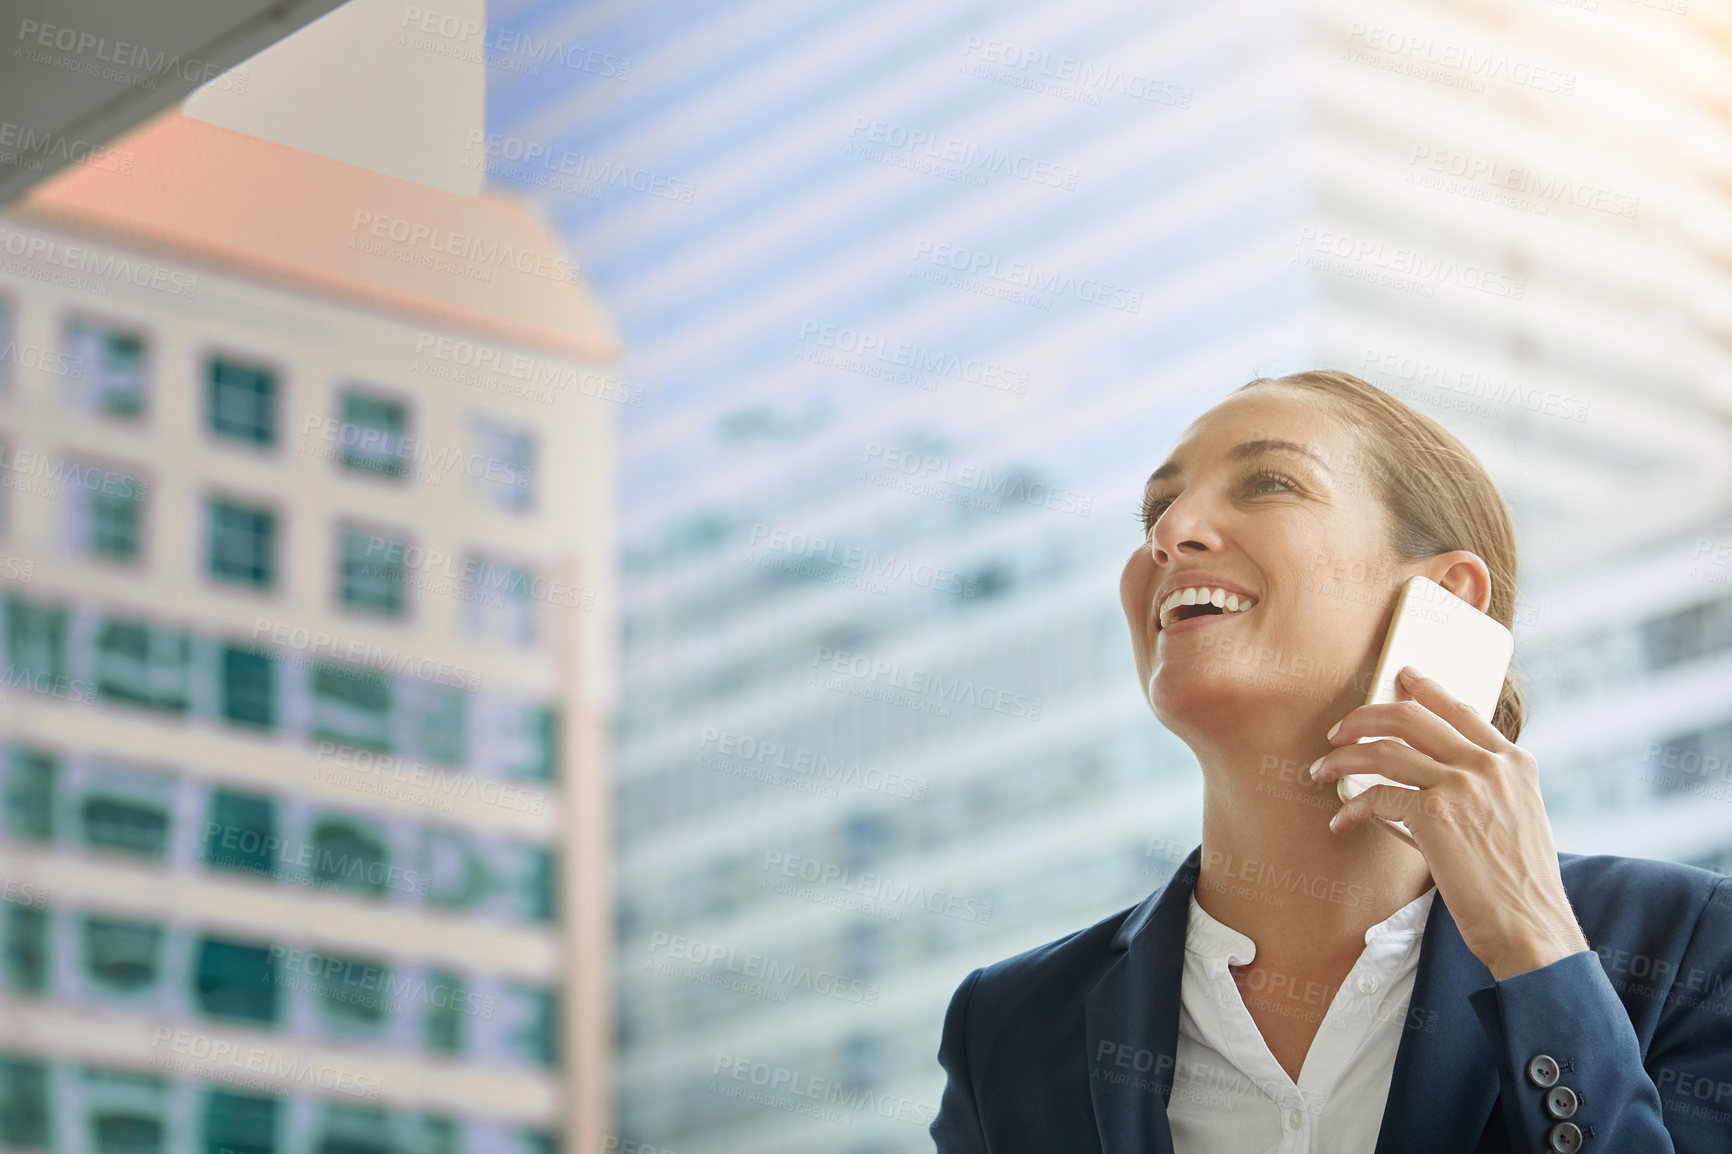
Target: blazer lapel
{"points": [[1133, 1020], [1442, 1089], [1445, 1081]]}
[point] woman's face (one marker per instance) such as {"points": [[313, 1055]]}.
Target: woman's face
{"points": [[1299, 536]]}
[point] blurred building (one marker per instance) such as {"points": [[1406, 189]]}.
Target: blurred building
{"points": [[306, 513], [942, 284]]}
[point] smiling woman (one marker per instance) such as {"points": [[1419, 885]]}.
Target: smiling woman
{"points": [[1307, 980]]}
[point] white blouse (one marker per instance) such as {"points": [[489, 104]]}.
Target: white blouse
{"points": [[1229, 1092]]}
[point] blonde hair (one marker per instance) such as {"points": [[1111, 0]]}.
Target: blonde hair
{"points": [[1439, 496]]}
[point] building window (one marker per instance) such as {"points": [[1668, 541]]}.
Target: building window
{"points": [[30, 777], [25, 1105], [355, 1130], [531, 1024], [354, 994], [526, 882], [498, 601], [35, 645], [243, 543], [122, 957], [371, 576], [500, 465], [239, 1124], [107, 512], [372, 437], [349, 854], [517, 739], [27, 941], [142, 665], [438, 715], [236, 981], [240, 832], [455, 875], [126, 825], [241, 401], [442, 1027], [249, 686], [351, 706], [115, 380]]}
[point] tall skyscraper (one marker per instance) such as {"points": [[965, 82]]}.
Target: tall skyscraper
{"points": [[920, 293], [306, 514]]}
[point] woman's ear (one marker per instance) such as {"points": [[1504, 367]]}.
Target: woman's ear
{"points": [[1464, 574]]}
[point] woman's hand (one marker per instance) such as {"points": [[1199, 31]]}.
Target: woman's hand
{"points": [[1477, 817]]}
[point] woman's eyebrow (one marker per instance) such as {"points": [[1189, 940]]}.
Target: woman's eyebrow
{"points": [[1244, 452]]}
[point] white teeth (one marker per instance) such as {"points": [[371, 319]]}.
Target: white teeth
{"points": [[1204, 595]]}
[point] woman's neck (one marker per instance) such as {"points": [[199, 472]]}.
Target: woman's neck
{"points": [[1271, 869]]}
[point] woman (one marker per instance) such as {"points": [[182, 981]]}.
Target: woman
{"points": [[1307, 980]]}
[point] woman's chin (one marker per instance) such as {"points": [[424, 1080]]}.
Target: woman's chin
{"points": [[1184, 695]]}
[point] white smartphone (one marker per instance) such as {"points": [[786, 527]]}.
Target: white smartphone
{"points": [[1447, 640]]}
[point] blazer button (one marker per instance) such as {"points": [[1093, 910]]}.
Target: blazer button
{"points": [[1561, 1102], [1543, 1071], [1565, 1138]]}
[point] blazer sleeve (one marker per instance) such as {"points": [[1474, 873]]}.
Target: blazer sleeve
{"points": [[957, 1129], [1563, 1025]]}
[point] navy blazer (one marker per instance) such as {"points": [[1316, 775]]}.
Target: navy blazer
{"points": [[1069, 1047]]}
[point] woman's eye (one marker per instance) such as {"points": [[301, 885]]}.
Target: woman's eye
{"points": [[1257, 482], [1152, 510]]}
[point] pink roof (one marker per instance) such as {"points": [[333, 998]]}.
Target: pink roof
{"points": [[485, 265]]}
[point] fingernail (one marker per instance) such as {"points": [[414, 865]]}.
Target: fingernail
{"points": [[1314, 766], [1410, 673], [1335, 823], [1330, 736]]}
